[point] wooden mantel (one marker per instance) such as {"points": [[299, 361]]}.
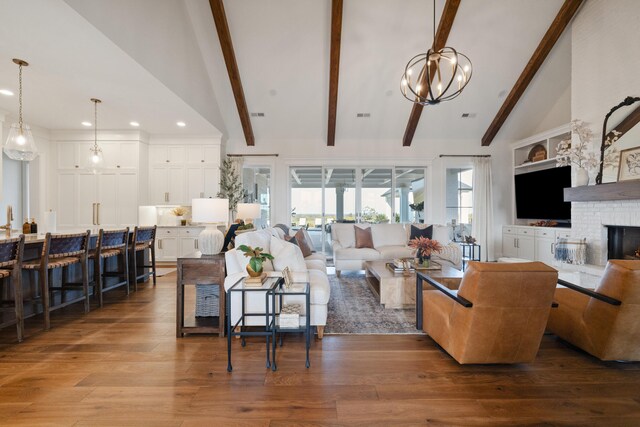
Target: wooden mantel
{"points": [[626, 190]]}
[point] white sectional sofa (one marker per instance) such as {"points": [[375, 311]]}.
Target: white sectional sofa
{"points": [[312, 269], [389, 241]]}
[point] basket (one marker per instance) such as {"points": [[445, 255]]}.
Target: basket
{"points": [[207, 300]]}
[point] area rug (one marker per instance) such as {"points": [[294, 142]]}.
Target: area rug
{"points": [[354, 309]]}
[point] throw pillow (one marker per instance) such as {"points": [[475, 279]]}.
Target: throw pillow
{"points": [[364, 238], [302, 243], [286, 254], [421, 232]]}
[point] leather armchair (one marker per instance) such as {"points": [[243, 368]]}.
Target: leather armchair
{"points": [[498, 315], [604, 322]]}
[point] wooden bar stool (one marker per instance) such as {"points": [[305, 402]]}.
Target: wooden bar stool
{"points": [[143, 238], [111, 243], [61, 251], [11, 252]]}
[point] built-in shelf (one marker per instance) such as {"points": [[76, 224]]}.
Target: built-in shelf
{"points": [[538, 163], [627, 190]]}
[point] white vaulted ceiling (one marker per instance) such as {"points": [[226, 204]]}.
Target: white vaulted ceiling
{"points": [[159, 60]]}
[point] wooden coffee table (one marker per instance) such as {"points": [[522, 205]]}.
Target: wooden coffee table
{"points": [[395, 290]]}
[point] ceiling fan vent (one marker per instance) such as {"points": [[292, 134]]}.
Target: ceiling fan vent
{"points": [[363, 115], [257, 114], [468, 115]]}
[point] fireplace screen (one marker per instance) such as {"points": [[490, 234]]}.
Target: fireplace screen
{"points": [[623, 242]]}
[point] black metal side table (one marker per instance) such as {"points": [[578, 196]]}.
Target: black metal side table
{"points": [[232, 330], [278, 294], [469, 253]]}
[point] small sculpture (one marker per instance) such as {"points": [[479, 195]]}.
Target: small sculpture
{"points": [[469, 239]]}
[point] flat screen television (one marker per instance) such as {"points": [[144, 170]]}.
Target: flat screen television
{"points": [[540, 194]]}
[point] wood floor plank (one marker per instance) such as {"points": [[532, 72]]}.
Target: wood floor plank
{"points": [[123, 366]]}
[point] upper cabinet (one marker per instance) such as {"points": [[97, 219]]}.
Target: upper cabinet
{"points": [[117, 155]]}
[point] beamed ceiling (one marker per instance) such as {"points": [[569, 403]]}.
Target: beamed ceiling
{"points": [[159, 62]]}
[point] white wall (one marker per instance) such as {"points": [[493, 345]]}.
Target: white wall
{"points": [[605, 63]]}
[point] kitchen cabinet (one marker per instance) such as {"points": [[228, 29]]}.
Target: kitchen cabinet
{"points": [[532, 243], [175, 242]]}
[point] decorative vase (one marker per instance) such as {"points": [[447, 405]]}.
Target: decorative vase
{"points": [[252, 272], [424, 261], [582, 177]]}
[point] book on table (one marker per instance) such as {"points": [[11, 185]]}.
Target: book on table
{"points": [[255, 281]]}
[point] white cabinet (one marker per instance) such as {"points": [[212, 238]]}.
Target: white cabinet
{"points": [[175, 242], [532, 243], [178, 174]]}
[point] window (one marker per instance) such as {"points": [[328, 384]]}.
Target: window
{"points": [[256, 181], [459, 195]]}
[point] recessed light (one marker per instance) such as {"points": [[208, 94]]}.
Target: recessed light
{"points": [[87, 124], [6, 92], [181, 124], [134, 124]]}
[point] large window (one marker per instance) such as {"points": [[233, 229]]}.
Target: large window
{"points": [[459, 194]]}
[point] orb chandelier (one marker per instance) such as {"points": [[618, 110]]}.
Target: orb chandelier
{"points": [[437, 75], [96, 160], [20, 144]]}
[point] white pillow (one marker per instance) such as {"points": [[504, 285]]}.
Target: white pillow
{"points": [[286, 254]]}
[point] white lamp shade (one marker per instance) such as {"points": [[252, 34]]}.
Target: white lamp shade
{"points": [[210, 211], [248, 211], [147, 216], [20, 144]]}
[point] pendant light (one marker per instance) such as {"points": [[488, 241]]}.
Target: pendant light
{"points": [[20, 144], [96, 160], [436, 76]]}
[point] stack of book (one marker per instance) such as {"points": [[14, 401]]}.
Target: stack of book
{"points": [[255, 282], [401, 265], [290, 316]]}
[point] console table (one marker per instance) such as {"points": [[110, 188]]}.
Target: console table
{"points": [[202, 270]]}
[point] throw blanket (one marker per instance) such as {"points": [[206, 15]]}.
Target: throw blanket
{"points": [[571, 251], [450, 252]]}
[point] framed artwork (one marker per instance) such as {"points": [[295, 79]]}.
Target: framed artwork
{"points": [[286, 274], [629, 168]]}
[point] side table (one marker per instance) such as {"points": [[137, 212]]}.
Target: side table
{"points": [[203, 270], [236, 330], [469, 253], [278, 294]]}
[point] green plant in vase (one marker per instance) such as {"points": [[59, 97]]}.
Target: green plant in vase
{"points": [[256, 258], [425, 247]]}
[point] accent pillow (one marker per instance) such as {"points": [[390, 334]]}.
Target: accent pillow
{"points": [[421, 232], [303, 244], [364, 238], [286, 254]]}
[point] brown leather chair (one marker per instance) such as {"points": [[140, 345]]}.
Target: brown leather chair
{"points": [[604, 322], [498, 315], [11, 252]]}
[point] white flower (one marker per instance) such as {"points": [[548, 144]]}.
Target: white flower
{"points": [[577, 153]]}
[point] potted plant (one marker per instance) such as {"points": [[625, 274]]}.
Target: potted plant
{"points": [[179, 214], [256, 258], [424, 247]]}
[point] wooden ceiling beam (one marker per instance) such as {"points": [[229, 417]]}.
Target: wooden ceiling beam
{"points": [[334, 68], [222, 27], [442, 34], [562, 19]]}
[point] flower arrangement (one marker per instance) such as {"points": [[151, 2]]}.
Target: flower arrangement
{"points": [[578, 154], [425, 247], [257, 257], [179, 211]]}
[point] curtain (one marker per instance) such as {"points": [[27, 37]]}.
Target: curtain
{"points": [[482, 226]]}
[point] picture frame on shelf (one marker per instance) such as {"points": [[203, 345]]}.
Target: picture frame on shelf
{"points": [[629, 166], [286, 275]]}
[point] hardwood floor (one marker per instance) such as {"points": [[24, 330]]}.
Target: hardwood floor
{"points": [[122, 365]]}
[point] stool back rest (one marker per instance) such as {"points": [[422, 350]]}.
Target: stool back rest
{"points": [[64, 245], [144, 235], [11, 251], [113, 239]]}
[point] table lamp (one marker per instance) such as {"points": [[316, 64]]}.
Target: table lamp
{"points": [[248, 212], [210, 212]]}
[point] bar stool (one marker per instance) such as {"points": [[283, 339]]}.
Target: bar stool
{"points": [[59, 252], [143, 238], [111, 243], [11, 253]]}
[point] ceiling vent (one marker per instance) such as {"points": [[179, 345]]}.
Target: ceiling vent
{"points": [[257, 114], [363, 115], [468, 115]]}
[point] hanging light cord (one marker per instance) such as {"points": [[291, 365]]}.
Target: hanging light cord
{"points": [[95, 127], [20, 98], [433, 44]]}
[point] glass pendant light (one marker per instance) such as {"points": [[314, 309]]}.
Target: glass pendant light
{"points": [[20, 144], [96, 160]]}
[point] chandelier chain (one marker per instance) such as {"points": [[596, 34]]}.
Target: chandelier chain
{"points": [[20, 98], [95, 127]]}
